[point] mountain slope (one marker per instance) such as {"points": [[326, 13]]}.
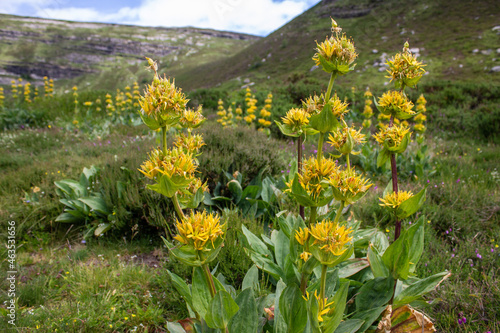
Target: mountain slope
{"points": [[33, 48], [457, 39]]}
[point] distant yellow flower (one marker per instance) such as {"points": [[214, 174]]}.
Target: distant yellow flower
{"points": [[394, 200], [200, 230], [87, 103], [36, 189], [419, 128], [191, 143], [368, 94]]}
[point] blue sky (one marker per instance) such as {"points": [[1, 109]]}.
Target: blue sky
{"points": [[258, 17]]}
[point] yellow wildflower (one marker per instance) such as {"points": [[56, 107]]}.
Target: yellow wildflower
{"points": [[339, 139], [314, 105], [348, 186], [199, 230], [191, 118], [313, 173], [302, 235], [392, 137], [395, 103], [191, 143], [393, 199], [405, 69], [330, 237]]}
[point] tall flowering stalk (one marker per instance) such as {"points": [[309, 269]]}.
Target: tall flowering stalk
{"points": [[200, 235], [406, 71]]}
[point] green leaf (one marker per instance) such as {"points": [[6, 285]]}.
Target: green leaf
{"points": [[350, 326], [181, 287], [327, 66], [325, 121], [102, 228], [286, 130], [281, 247], [265, 264], [397, 258], [412, 205], [369, 316], [417, 289], [351, 267], [96, 203], [200, 293], [68, 218], [149, 122], [376, 264], [222, 308], [175, 327], [293, 308], [235, 187], [279, 321], [312, 316], [338, 307], [300, 193], [255, 243], [402, 146], [246, 319], [375, 293], [251, 279], [383, 156], [72, 188], [415, 236]]}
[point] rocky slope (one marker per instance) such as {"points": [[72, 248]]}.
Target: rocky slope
{"points": [[32, 48]]}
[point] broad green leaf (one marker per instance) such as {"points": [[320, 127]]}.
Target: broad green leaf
{"points": [[251, 279], [181, 287], [96, 203], [352, 266], [402, 146], [388, 189], [200, 293], [279, 321], [376, 264], [369, 317], [256, 244], [235, 187], [414, 291], [175, 327], [293, 308], [415, 235], [281, 247], [380, 242], [68, 218], [397, 258], [383, 156], [350, 326], [325, 121], [331, 323], [265, 264], [246, 319], [375, 293], [222, 308], [102, 228], [301, 194], [412, 205], [286, 130], [149, 122]]}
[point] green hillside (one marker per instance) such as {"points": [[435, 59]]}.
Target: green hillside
{"points": [[456, 39]]}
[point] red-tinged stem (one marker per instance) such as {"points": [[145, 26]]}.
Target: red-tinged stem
{"points": [[394, 171]]}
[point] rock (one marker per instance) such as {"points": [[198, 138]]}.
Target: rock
{"points": [[381, 69], [495, 69], [497, 29], [486, 52], [475, 51], [498, 50], [375, 51], [415, 50], [263, 60], [247, 80], [313, 68]]}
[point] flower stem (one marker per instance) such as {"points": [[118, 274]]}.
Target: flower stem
{"points": [[209, 278], [313, 215], [299, 167], [330, 86], [339, 211], [348, 163], [303, 283], [177, 207], [164, 139], [322, 288], [394, 171]]}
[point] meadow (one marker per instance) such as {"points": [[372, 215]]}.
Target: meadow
{"points": [[88, 232]]}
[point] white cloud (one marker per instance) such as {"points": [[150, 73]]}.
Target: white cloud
{"points": [[251, 16], [14, 6]]}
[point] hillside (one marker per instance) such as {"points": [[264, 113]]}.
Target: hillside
{"points": [[457, 39], [104, 54]]}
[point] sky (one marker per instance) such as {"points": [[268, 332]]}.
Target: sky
{"points": [[256, 17]]}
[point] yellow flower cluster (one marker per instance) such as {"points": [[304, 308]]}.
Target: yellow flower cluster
{"points": [[324, 307], [395, 103], [330, 237], [190, 143], [314, 172], [191, 119], [394, 200], [338, 139], [405, 68], [314, 105], [27, 92], [162, 100], [48, 86], [2, 97], [392, 136], [368, 111], [420, 118], [349, 184], [295, 119], [200, 230], [265, 113], [176, 162], [336, 53]]}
